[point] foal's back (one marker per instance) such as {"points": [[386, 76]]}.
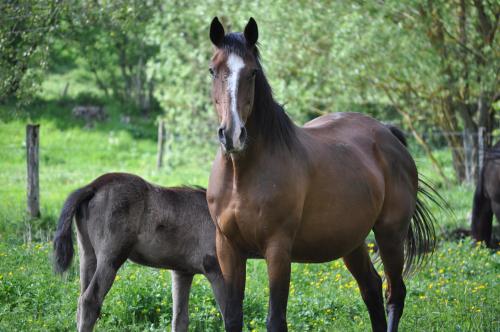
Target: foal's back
{"points": [[151, 225]]}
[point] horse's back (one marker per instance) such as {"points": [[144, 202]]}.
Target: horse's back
{"points": [[114, 211], [371, 140], [361, 172], [350, 127], [157, 226]]}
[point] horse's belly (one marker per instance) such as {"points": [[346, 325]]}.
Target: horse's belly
{"points": [[162, 260], [325, 240], [159, 251], [337, 218]]}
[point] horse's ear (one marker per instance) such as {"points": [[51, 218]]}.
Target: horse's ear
{"points": [[216, 32], [251, 32]]}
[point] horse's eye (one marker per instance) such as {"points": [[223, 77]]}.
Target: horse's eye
{"points": [[253, 73], [211, 71]]}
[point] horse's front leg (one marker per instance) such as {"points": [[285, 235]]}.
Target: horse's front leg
{"points": [[233, 267], [278, 259]]}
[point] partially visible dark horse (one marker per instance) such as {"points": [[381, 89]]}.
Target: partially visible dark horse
{"points": [[120, 216], [487, 198]]}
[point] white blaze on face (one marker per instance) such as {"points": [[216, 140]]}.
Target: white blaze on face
{"points": [[235, 64]]}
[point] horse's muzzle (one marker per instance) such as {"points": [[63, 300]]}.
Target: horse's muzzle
{"points": [[232, 140]]}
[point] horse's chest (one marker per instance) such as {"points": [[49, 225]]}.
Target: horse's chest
{"points": [[236, 216], [249, 221]]}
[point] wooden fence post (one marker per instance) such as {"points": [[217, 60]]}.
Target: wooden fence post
{"points": [[161, 144], [32, 139]]}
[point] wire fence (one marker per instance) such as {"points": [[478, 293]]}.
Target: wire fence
{"points": [[470, 150], [475, 148]]}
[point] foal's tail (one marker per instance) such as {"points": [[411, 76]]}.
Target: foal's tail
{"points": [[421, 237], [63, 239]]}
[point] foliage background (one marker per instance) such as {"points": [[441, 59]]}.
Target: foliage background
{"points": [[425, 66], [422, 65]]}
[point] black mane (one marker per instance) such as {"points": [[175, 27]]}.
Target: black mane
{"points": [[268, 117]]}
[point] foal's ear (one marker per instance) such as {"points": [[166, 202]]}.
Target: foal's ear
{"points": [[216, 32], [251, 32]]}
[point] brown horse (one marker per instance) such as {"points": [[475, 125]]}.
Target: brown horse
{"points": [[306, 194], [487, 198]]}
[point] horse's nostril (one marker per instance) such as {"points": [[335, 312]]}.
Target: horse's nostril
{"points": [[243, 134], [221, 133]]}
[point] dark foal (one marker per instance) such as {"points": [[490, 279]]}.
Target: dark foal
{"points": [[487, 198], [307, 194], [120, 216]]}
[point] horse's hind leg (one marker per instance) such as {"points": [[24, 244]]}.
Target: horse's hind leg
{"points": [[370, 285], [181, 285], [482, 218], [88, 264], [91, 300], [391, 248], [88, 260], [496, 210]]}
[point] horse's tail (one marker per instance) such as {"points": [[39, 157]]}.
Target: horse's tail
{"points": [[421, 237], [398, 133], [63, 239]]}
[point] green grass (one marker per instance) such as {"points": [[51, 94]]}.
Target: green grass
{"points": [[457, 291]]}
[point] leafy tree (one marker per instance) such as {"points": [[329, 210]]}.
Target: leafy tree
{"points": [[425, 65], [112, 39], [24, 28], [435, 63], [108, 38], [443, 67]]}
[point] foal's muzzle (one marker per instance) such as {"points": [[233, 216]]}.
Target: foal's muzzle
{"points": [[233, 140]]}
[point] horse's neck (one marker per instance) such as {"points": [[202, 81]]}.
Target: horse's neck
{"points": [[260, 151], [263, 126], [249, 158]]}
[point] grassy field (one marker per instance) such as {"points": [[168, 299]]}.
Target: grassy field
{"points": [[457, 291]]}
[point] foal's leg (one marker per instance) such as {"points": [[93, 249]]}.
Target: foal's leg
{"points": [[391, 247], [233, 267], [91, 300], [88, 261], [181, 285], [370, 285], [87, 269], [278, 259], [218, 287]]}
